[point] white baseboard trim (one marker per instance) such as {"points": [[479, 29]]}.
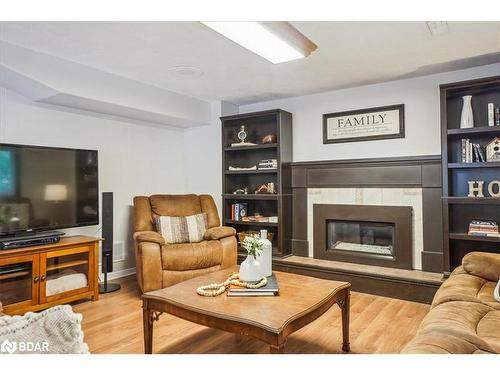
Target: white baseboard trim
{"points": [[118, 274]]}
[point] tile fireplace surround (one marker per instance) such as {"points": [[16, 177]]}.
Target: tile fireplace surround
{"points": [[360, 197], [404, 182]]}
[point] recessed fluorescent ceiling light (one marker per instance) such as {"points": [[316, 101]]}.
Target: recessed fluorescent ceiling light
{"points": [[275, 41]]}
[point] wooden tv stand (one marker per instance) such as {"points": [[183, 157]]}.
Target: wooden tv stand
{"points": [[37, 277]]}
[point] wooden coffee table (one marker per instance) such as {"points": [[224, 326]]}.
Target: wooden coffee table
{"points": [[302, 299]]}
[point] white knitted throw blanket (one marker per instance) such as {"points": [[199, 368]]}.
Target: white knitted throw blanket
{"points": [[55, 330]]}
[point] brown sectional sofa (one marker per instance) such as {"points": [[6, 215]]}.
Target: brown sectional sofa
{"points": [[464, 316]]}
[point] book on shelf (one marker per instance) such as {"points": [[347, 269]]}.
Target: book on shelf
{"points": [[484, 234], [464, 150], [484, 223], [257, 219], [268, 164], [270, 289], [483, 230], [487, 228], [261, 219], [239, 211], [481, 157], [472, 152], [476, 154]]}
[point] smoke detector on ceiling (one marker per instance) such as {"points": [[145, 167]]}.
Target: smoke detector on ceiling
{"points": [[438, 27], [185, 71]]}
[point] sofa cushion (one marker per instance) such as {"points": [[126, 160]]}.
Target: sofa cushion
{"points": [[191, 256], [489, 329], [217, 233], [461, 286], [149, 236], [485, 265], [182, 229], [458, 327], [208, 205], [175, 205]]}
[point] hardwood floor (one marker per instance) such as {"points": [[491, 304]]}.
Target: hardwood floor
{"points": [[378, 325]]}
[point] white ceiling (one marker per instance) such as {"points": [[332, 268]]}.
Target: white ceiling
{"points": [[349, 54]]}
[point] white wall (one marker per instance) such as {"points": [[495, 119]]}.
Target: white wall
{"points": [[419, 95], [133, 159], [203, 156]]}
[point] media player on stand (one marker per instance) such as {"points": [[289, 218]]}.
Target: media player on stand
{"points": [[30, 239]]}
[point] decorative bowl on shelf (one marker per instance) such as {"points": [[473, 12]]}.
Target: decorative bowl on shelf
{"points": [[269, 138], [243, 235]]}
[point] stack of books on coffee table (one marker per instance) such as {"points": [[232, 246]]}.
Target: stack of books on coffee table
{"points": [[270, 289], [485, 228]]}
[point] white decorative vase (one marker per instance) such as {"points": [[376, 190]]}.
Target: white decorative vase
{"points": [[250, 270], [266, 255], [467, 119]]}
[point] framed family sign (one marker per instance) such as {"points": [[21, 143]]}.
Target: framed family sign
{"points": [[364, 124]]}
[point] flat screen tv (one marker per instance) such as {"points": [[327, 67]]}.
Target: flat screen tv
{"points": [[46, 188]]}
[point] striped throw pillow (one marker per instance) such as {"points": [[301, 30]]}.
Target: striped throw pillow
{"points": [[182, 229]]}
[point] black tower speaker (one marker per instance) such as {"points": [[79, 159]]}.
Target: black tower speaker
{"points": [[107, 243]]}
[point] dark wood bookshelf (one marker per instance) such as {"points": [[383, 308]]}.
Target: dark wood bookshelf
{"points": [[459, 209], [469, 237], [258, 171], [253, 147], [251, 223], [475, 131], [475, 165], [245, 197], [471, 200], [258, 125]]}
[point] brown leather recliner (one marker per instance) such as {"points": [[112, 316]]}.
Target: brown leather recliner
{"points": [[159, 264]]}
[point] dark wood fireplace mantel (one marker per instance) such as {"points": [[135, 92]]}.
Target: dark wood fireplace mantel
{"points": [[421, 172]]}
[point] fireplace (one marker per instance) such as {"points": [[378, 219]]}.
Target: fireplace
{"points": [[365, 234], [360, 237]]}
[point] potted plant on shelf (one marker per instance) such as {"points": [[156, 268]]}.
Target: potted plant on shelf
{"points": [[250, 267]]}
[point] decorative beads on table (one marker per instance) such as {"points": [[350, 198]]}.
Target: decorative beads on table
{"points": [[214, 290]]}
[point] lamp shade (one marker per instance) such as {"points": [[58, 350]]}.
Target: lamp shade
{"points": [[56, 192]]}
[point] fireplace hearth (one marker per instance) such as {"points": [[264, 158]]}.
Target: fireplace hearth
{"points": [[365, 234]]}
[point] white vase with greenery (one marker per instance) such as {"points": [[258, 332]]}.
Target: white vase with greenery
{"points": [[250, 267]]}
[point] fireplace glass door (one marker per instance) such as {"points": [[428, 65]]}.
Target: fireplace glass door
{"points": [[360, 237]]}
